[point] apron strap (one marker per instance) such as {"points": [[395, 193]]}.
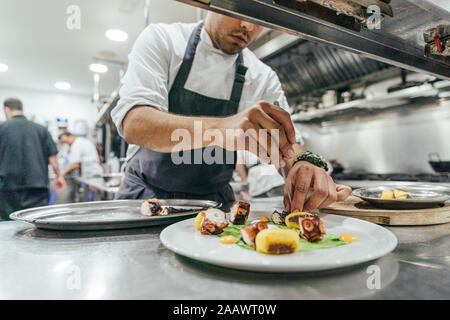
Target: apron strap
{"points": [[188, 60]]}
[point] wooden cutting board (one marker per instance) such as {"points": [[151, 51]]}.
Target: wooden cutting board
{"points": [[356, 208]]}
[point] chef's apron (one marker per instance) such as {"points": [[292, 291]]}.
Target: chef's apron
{"points": [[153, 174]]}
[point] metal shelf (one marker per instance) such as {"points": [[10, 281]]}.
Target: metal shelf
{"points": [[399, 41]]}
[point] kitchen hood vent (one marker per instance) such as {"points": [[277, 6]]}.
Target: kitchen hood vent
{"points": [[311, 67]]}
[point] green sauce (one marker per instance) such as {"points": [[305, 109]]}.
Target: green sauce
{"points": [[328, 241]]}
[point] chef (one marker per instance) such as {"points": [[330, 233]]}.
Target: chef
{"points": [[187, 87], [26, 150], [82, 155]]}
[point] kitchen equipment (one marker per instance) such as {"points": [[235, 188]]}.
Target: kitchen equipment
{"points": [[356, 208], [438, 165], [373, 242], [105, 215], [422, 196]]}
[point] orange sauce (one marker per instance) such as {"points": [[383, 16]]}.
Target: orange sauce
{"points": [[228, 240], [348, 237]]}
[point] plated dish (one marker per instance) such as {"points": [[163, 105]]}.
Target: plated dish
{"points": [[406, 196], [300, 242]]}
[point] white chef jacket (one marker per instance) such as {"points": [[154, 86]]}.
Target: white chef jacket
{"points": [[83, 151], [157, 56], [261, 177]]}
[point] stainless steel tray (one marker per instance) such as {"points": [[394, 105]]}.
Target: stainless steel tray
{"points": [[422, 196], [106, 215]]}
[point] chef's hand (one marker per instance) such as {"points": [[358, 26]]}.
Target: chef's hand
{"points": [[305, 175], [60, 183], [264, 115]]}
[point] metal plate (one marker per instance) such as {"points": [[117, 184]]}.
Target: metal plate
{"points": [[422, 196], [105, 215]]}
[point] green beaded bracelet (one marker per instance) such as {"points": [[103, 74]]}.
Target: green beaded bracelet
{"points": [[312, 158]]}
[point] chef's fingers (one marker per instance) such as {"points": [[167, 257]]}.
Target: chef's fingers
{"points": [[332, 193], [320, 190], [250, 138], [261, 139], [302, 182], [286, 200], [274, 129], [343, 192], [282, 117]]}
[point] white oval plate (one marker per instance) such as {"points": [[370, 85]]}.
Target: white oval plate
{"points": [[373, 242]]}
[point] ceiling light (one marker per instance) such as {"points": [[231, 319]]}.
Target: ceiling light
{"points": [[63, 86], [3, 67], [116, 35], [98, 68]]}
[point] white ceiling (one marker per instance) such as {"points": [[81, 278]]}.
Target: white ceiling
{"points": [[40, 50]]}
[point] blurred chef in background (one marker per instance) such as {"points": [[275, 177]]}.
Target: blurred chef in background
{"points": [[83, 156], [263, 179], [26, 149]]}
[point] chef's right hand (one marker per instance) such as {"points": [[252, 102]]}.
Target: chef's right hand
{"points": [[264, 115]]}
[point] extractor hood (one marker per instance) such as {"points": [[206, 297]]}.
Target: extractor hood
{"points": [[396, 38]]}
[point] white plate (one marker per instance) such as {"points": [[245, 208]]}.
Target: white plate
{"points": [[373, 242]]}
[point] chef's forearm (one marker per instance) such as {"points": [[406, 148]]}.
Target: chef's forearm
{"points": [[156, 130], [53, 160], [72, 167]]}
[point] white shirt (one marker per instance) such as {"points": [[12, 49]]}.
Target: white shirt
{"points": [[83, 151], [157, 56], [261, 177]]}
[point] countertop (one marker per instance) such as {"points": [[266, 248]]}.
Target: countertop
{"points": [[133, 264]]}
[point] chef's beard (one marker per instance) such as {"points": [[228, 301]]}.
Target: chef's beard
{"points": [[229, 46]]}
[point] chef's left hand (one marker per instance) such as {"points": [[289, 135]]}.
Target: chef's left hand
{"points": [[304, 176]]}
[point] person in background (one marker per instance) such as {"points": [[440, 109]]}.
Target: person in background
{"points": [[82, 155], [263, 179], [26, 149]]}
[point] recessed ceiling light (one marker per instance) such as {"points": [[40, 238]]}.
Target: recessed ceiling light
{"points": [[98, 68], [62, 85], [3, 67], [116, 35]]}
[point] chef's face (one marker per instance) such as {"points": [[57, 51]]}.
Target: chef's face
{"points": [[67, 139], [229, 34]]}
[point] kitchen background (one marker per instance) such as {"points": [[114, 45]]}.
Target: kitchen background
{"points": [[372, 120]]}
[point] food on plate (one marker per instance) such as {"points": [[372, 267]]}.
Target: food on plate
{"points": [[396, 194], [152, 207], [228, 240], [291, 220], [279, 217], [347, 237], [310, 225], [264, 219], [213, 222], [277, 241], [311, 228], [401, 194], [249, 233], [387, 194], [239, 212], [198, 221]]}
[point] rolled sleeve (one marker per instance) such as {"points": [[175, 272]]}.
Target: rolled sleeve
{"points": [[146, 80]]}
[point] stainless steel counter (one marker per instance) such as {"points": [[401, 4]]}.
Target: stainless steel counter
{"points": [[133, 264]]}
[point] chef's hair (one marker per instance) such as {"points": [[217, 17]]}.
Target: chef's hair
{"points": [[13, 104]]}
